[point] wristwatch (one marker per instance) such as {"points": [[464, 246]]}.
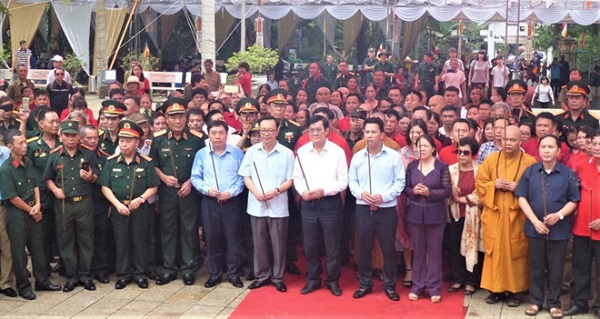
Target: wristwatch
{"points": [[560, 216]]}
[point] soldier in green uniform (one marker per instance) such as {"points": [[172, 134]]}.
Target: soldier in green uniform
{"points": [[247, 109], [69, 175], [426, 74], [515, 91], [385, 66], [41, 100], [128, 180], [577, 114], [330, 69], [368, 67], [8, 116], [289, 133], [103, 238], [114, 112], [172, 153], [21, 195], [344, 76], [38, 151]]}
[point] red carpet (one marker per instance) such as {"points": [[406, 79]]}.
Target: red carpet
{"points": [[266, 302]]}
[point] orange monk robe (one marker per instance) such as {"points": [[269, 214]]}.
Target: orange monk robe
{"points": [[506, 264]]}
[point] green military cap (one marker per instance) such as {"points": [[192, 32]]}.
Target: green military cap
{"points": [[112, 108], [276, 96], [516, 86], [128, 128], [384, 51], [69, 127], [371, 49], [578, 88], [174, 106], [247, 104]]}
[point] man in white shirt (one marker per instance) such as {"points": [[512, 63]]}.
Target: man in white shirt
{"points": [[57, 62], [499, 74], [267, 170], [320, 175]]}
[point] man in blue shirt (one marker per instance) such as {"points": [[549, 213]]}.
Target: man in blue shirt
{"points": [[215, 175], [267, 170], [376, 179], [548, 194]]}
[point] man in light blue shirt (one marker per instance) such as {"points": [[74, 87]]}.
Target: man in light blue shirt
{"points": [[376, 179], [215, 175], [6, 274], [267, 170]]}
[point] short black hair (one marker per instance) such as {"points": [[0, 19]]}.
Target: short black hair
{"points": [[358, 96], [460, 120], [318, 118], [330, 114], [556, 139], [546, 115], [268, 118], [9, 137], [200, 91], [429, 140], [244, 65], [395, 87], [112, 92], [195, 111], [40, 92], [415, 92], [502, 92], [450, 108], [392, 112], [211, 114], [217, 123], [452, 89], [374, 120], [43, 111], [471, 142], [487, 101]]}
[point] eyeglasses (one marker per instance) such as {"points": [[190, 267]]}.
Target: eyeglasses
{"points": [[463, 153], [268, 130], [315, 130], [60, 74]]}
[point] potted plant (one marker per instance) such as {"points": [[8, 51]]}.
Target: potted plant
{"points": [[260, 60]]}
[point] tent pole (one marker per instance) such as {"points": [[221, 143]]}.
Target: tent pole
{"points": [[112, 63], [243, 28]]}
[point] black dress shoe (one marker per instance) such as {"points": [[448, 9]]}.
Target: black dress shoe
{"points": [[142, 283], [361, 292], [212, 281], [28, 295], [50, 287], [121, 283], [335, 289], [310, 287], [70, 286], [281, 287], [292, 269], [392, 294], [236, 282], [165, 279], [250, 276], [494, 298], [575, 310], [9, 292], [188, 279], [153, 275], [257, 284], [103, 279], [88, 285]]}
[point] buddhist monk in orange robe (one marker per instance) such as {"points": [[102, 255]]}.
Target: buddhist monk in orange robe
{"points": [[506, 265]]}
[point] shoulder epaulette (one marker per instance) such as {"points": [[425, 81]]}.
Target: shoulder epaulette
{"points": [[100, 132], [87, 147], [295, 123], [159, 133], [33, 139], [56, 149], [196, 133], [592, 115], [146, 157], [103, 152], [113, 156]]}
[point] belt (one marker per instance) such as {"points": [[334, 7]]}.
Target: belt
{"points": [[76, 199], [218, 201], [31, 202]]}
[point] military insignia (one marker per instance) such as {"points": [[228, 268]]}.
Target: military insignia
{"points": [[575, 87], [139, 170], [117, 170], [165, 150], [126, 125], [36, 153], [70, 124], [102, 145], [82, 160], [60, 166], [289, 136], [280, 96], [111, 107], [187, 148], [43, 154], [515, 86]]}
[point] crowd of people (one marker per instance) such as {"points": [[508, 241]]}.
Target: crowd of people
{"points": [[386, 176]]}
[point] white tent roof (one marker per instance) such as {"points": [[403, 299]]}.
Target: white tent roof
{"points": [[584, 12]]}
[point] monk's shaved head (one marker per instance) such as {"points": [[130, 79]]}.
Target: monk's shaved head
{"points": [[513, 139]]}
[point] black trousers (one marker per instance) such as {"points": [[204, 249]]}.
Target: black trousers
{"points": [[222, 220], [103, 238], [458, 265], [544, 252], [324, 214], [382, 224], [585, 251]]}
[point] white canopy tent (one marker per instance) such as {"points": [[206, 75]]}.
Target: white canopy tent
{"points": [[77, 13]]}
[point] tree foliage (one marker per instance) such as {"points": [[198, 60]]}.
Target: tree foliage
{"points": [[260, 60]]}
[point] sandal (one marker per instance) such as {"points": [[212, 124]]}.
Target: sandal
{"points": [[408, 282], [436, 299], [556, 313], [470, 290], [455, 287], [494, 298], [533, 310]]}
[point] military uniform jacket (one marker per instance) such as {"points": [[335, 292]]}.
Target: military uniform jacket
{"points": [[38, 152], [119, 176], [101, 157], [60, 160], [106, 143], [289, 133], [18, 180], [342, 80], [585, 118], [167, 152]]}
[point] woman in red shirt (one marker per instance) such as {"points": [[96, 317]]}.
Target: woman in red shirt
{"points": [[137, 71], [244, 78]]}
